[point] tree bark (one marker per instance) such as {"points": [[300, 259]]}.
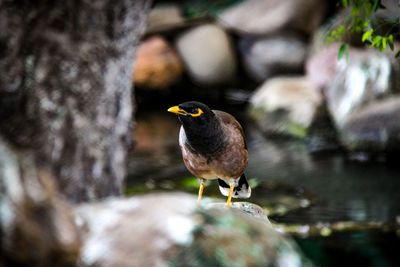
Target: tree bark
{"points": [[65, 88]]}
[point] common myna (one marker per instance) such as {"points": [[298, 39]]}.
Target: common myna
{"points": [[213, 147]]}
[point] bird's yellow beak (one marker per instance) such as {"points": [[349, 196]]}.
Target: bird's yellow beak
{"points": [[177, 110]]}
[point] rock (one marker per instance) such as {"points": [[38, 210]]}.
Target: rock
{"points": [[164, 17], [322, 135], [374, 128], [269, 56], [250, 208], [386, 20], [157, 64], [322, 67], [208, 54], [368, 75], [171, 229], [285, 105], [259, 17], [391, 10]]}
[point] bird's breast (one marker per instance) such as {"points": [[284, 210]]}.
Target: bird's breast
{"points": [[229, 163]]}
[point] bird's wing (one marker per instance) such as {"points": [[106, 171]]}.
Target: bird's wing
{"points": [[227, 118]]}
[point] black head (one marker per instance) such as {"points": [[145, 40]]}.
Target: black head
{"points": [[193, 113], [202, 128]]}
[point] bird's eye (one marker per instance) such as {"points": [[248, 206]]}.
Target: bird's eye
{"points": [[195, 112]]}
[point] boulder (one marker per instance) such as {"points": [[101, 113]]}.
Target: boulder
{"points": [[270, 56], [322, 67], [260, 17], [164, 17], [157, 64], [247, 207], [208, 54], [172, 229], [285, 105], [374, 128], [358, 93], [367, 76]]}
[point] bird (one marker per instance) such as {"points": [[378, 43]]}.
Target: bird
{"points": [[213, 146]]}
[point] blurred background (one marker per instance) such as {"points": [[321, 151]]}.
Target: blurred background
{"points": [[322, 120], [91, 173]]}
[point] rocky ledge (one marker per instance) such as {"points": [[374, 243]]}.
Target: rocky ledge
{"points": [[172, 229]]}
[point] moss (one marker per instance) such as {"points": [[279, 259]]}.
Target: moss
{"points": [[296, 129]]}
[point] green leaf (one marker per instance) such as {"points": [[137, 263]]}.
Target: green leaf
{"points": [[397, 54], [342, 50], [383, 46], [368, 8], [355, 11], [376, 41], [344, 3], [390, 42], [376, 5], [366, 35]]}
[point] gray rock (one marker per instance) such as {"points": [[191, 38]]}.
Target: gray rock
{"points": [[285, 105], [269, 56], [164, 17], [172, 229], [322, 67], [374, 128], [368, 75], [262, 17], [247, 207], [208, 54]]}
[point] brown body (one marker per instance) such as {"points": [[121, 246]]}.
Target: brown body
{"points": [[231, 160]]}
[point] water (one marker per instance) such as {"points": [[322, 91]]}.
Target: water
{"points": [[321, 193], [344, 190]]}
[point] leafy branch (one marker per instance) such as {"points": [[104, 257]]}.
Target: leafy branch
{"points": [[361, 17]]}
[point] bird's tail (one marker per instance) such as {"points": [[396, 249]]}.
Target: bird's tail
{"points": [[242, 190]]}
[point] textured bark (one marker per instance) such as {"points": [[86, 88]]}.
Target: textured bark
{"points": [[65, 88]]}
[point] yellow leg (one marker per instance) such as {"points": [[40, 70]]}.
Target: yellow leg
{"points": [[229, 202], [200, 191]]}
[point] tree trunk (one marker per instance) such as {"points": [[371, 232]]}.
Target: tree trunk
{"points": [[65, 88]]}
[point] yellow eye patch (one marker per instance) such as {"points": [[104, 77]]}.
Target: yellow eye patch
{"points": [[199, 112]]}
